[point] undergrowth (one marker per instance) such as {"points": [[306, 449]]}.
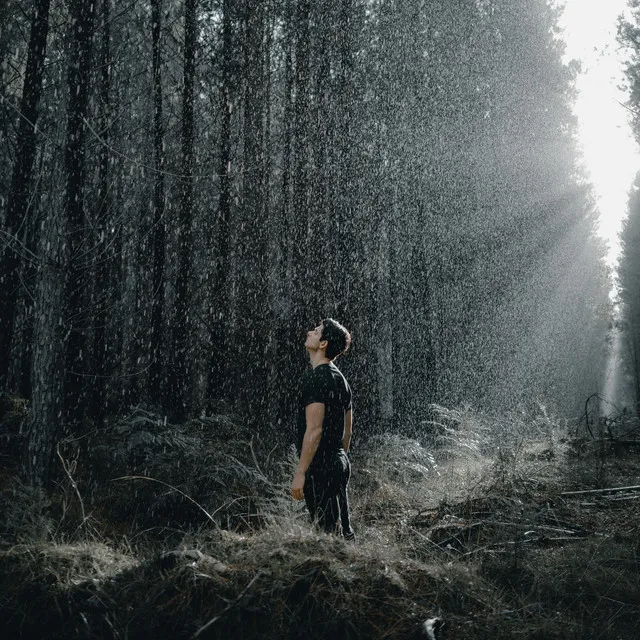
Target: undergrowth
{"points": [[464, 530]]}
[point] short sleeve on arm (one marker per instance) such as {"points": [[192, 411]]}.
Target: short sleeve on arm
{"points": [[313, 389]]}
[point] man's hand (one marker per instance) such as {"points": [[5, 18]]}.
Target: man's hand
{"points": [[297, 486]]}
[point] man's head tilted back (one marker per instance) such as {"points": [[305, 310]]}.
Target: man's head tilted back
{"points": [[337, 337]]}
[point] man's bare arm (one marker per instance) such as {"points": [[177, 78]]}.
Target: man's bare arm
{"points": [[346, 438], [314, 415]]}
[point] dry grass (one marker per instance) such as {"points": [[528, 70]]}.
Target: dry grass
{"points": [[468, 525]]}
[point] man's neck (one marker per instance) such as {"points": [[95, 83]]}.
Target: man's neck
{"points": [[317, 358]]}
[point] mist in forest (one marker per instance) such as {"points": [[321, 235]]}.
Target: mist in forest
{"points": [[190, 186]]}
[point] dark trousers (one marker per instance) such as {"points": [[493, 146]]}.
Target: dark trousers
{"points": [[325, 492]]}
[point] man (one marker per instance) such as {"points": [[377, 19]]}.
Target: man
{"points": [[324, 431]]}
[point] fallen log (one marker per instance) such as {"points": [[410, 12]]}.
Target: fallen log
{"points": [[604, 500], [595, 491], [635, 496], [539, 540]]}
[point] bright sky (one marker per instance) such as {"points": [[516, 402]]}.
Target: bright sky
{"points": [[609, 149]]}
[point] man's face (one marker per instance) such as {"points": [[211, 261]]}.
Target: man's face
{"points": [[313, 338]]}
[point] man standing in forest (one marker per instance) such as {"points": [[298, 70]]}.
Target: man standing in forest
{"points": [[324, 431]]}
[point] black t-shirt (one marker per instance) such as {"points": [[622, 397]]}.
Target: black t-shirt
{"points": [[325, 384]]}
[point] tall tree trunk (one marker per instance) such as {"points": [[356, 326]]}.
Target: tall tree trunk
{"points": [[318, 236], [285, 373], [102, 351], [48, 355], [344, 220], [384, 321], [21, 178], [298, 220], [159, 235], [79, 74], [22, 341], [266, 133], [55, 315], [179, 377], [252, 233], [272, 233], [298, 223], [287, 151], [295, 188], [219, 368]]}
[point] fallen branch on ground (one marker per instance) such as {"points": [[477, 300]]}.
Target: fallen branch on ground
{"points": [[608, 490]]}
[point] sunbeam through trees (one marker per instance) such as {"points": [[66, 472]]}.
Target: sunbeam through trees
{"points": [[191, 185]]}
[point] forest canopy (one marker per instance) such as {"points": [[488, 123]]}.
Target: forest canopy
{"points": [[192, 184]]}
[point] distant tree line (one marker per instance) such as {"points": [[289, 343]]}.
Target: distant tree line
{"points": [[192, 184]]}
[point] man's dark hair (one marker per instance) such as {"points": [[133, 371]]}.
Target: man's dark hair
{"points": [[337, 336]]}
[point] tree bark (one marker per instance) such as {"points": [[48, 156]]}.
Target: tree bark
{"points": [[219, 364], [384, 320], [285, 374], [299, 217], [59, 296], [179, 376], [159, 236], [79, 78], [102, 350], [48, 357], [252, 233], [21, 178]]}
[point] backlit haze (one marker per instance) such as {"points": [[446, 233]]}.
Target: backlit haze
{"points": [[609, 149]]}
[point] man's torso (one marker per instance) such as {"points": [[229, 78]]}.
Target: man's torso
{"points": [[327, 385]]}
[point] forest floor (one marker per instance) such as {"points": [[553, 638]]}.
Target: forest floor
{"points": [[478, 531]]}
